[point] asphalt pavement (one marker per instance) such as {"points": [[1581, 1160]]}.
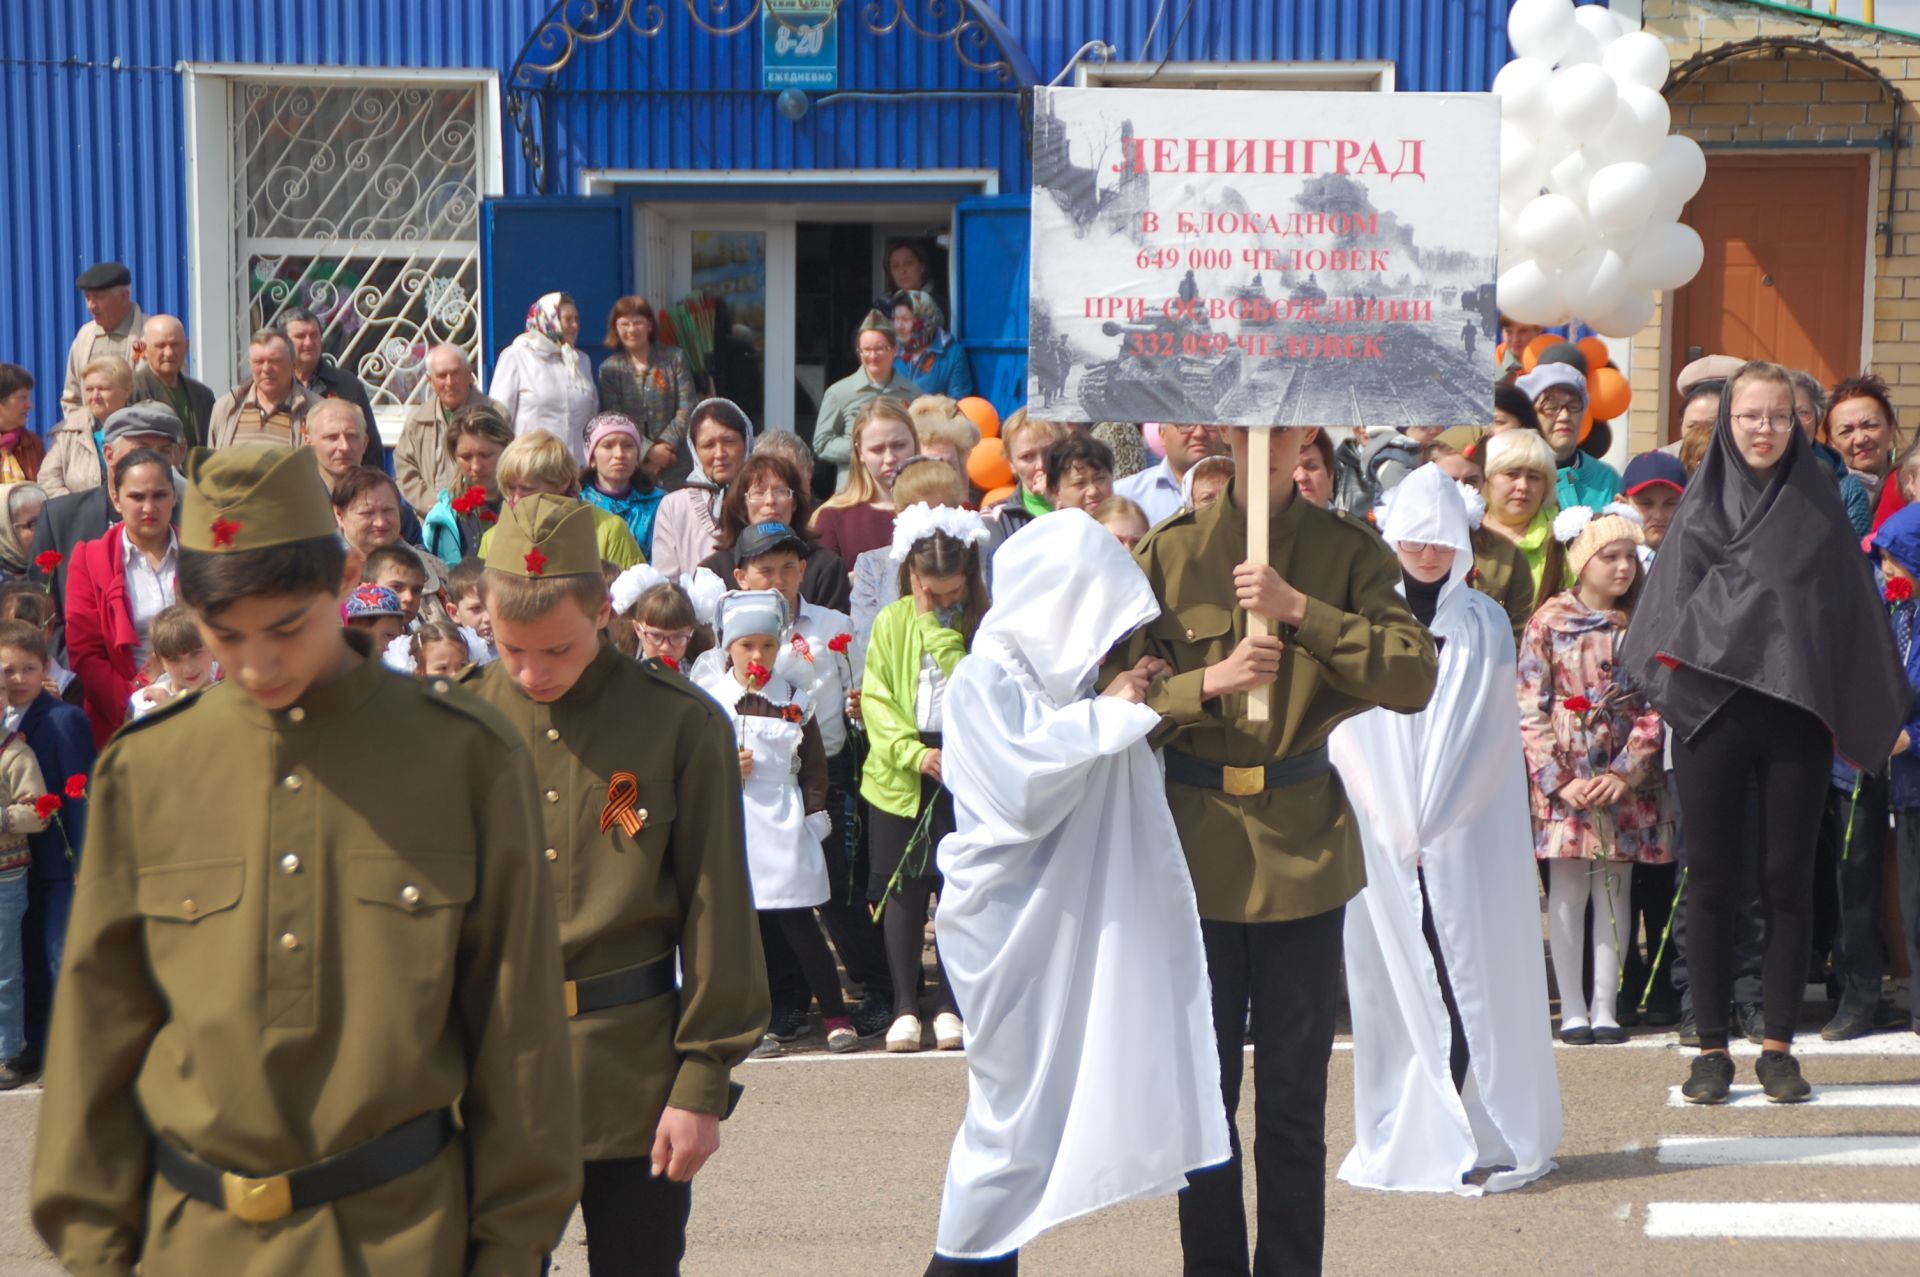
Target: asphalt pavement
{"points": [[834, 1164]]}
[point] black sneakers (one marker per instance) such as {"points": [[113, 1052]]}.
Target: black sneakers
{"points": [[1751, 1020], [1710, 1081], [1779, 1076]]}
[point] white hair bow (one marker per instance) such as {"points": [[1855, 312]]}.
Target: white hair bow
{"points": [[918, 522]]}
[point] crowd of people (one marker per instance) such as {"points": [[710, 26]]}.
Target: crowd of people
{"points": [[1687, 688]]}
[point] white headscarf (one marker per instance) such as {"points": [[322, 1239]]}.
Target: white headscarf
{"points": [[1427, 507], [697, 477]]}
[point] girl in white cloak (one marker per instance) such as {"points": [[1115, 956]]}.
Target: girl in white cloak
{"points": [[1067, 920], [1452, 1050]]}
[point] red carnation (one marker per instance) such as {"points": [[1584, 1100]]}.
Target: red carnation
{"points": [[1899, 590], [1577, 704], [223, 533], [757, 674], [670, 663], [488, 516], [1668, 661], [536, 563], [470, 500], [46, 805], [840, 643], [48, 560], [77, 786]]}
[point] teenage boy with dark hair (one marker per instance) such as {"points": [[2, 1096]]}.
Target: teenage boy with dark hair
{"points": [[644, 834], [266, 1024]]}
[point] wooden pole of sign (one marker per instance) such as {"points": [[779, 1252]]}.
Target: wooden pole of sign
{"points": [[1259, 552]]}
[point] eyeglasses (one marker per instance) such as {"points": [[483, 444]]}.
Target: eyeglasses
{"points": [[666, 638], [1770, 422], [769, 494]]}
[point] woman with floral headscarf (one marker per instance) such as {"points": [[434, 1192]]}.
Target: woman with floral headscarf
{"points": [[542, 381], [929, 356]]}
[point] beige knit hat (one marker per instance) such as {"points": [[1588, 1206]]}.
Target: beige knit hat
{"points": [[1585, 533]]}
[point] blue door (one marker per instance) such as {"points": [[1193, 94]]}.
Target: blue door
{"points": [[532, 246], [992, 235]]}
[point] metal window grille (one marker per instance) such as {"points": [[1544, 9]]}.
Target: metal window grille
{"points": [[361, 203]]}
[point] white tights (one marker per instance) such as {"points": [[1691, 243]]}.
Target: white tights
{"points": [[1569, 883]]}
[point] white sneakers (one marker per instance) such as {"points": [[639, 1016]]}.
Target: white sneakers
{"points": [[948, 1032], [905, 1034]]}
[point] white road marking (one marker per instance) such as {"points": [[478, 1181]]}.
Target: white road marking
{"points": [[1787, 1221], [1854, 1150], [1846, 1095]]}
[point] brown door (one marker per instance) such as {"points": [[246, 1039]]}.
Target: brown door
{"points": [[1785, 265]]}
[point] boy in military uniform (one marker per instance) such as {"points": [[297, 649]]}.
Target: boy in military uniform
{"points": [[639, 785], [1264, 821], [309, 1020]]}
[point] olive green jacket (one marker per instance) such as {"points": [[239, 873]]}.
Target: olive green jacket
{"points": [[1501, 572], [1293, 852], [682, 883], [292, 935]]}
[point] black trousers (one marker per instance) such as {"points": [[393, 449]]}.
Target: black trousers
{"points": [[1650, 897], [1858, 869], [1906, 840], [845, 915], [1457, 1059], [1749, 927], [1287, 974], [1005, 1266], [636, 1223], [803, 940], [1752, 740]]}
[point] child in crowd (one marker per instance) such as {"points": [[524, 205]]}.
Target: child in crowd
{"points": [[1126, 520], [1654, 482], [20, 815], [666, 621], [377, 610], [783, 774], [32, 604], [61, 739], [438, 650], [1206, 481], [183, 656], [397, 568], [466, 604], [1593, 745], [917, 641]]}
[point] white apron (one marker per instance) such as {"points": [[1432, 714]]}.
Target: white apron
{"points": [[784, 860]]}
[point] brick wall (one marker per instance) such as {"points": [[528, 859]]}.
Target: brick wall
{"points": [[1772, 101]]}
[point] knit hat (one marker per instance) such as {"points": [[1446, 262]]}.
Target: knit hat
{"points": [[369, 600], [1586, 534], [246, 497], [612, 423], [545, 535], [746, 613]]}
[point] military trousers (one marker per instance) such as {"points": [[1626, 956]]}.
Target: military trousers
{"points": [[636, 1223], [1281, 980]]}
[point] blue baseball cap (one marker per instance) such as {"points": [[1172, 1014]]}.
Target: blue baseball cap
{"points": [[1650, 468], [764, 538]]}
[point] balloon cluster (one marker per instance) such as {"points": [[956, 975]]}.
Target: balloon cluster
{"points": [[1591, 182]]}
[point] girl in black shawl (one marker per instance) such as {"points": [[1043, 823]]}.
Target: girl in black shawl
{"points": [[1759, 580]]}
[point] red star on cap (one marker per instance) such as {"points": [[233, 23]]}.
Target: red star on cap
{"points": [[536, 563], [223, 533]]}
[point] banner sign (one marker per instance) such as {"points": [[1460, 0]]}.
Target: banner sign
{"points": [[800, 47], [1263, 258]]}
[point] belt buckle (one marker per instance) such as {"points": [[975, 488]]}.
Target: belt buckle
{"points": [[573, 999], [1243, 782], [258, 1201]]}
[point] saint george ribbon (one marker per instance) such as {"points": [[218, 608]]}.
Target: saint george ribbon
{"points": [[622, 792]]}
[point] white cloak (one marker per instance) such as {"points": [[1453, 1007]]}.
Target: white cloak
{"points": [[1068, 923], [784, 861], [1445, 790]]}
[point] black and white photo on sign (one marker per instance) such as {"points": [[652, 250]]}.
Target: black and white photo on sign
{"points": [[1263, 257]]}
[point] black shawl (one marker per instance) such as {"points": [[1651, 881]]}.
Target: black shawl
{"points": [[1760, 583]]}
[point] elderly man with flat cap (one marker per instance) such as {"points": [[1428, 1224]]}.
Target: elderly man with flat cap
{"points": [[113, 324], [84, 516], [160, 377]]}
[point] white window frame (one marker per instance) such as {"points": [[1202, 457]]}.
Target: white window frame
{"points": [[213, 239], [1367, 76]]}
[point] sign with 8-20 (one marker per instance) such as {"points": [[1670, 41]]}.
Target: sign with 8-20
{"points": [[800, 45]]}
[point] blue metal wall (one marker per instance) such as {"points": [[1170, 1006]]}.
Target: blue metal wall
{"points": [[92, 106]]}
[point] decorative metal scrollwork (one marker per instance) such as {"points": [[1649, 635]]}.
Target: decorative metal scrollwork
{"points": [[968, 34]]}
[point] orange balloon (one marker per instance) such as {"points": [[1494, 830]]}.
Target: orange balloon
{"points": [[1537, 347], [1500, 355], [1595, 349], [1586, 423], [998, 495], [1610, 393], [982, 415], [987, 465]]}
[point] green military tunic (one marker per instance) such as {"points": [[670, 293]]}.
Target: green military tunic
{"points": [[1500, 572], [624, 901], [1292, 852], [294, 932]]}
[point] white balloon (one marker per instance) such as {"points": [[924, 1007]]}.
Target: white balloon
{"points": [[1595, 281], [1597, 21], [1668, 257], [1680, 166], [1664, 212], [1621, 197], [1530, 295], [1571, 176], [1540, 28], [1552, 228], [1581, 49], [1639, 57], [1634, 312], [1521, 87], [1550, 142], [1584, 99], [1640, 122]]}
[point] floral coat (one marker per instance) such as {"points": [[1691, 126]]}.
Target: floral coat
{"points": [[1579, 718]]}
